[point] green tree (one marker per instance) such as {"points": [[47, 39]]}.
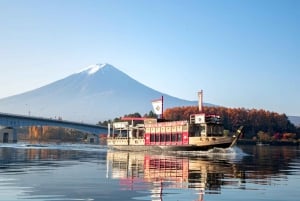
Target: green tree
{"points": [[151, 114]]}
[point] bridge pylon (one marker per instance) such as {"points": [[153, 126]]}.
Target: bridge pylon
{"points": [[8, 135]]}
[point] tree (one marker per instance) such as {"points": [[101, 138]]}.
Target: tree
{"points": [[151, 114], [262, 136]]}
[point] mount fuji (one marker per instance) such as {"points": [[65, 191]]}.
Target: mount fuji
{"points": [[99, 92]]}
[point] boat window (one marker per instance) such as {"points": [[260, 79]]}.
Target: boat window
{"points": [[134, 133], [220, 130], [202, 129], [152, 138], [195, 130], [179, 137], [141, 133], [168, 138], [209, 130], [215, 130], [157, 138], [163, 138], [120, 133], [174, 137]]}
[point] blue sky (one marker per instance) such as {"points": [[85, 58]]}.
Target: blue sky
{"points": [[241, 53]]}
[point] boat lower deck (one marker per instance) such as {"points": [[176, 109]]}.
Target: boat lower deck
{"points": [[195, 144], [168, 147]]}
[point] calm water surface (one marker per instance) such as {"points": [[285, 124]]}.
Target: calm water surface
{"points": [[89, 172]]}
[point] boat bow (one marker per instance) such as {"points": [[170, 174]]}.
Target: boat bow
{"points": [[238, 134]]}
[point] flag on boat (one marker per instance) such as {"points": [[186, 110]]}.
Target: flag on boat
{"points": [[157, 106]]}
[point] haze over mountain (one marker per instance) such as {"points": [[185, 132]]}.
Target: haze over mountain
{"points": [[99, 92]]}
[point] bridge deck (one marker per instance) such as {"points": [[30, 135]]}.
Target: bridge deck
{"points": [[15, 120]]}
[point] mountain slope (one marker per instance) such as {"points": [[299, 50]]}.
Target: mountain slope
{"points": [[97, 93], [295, 120]]}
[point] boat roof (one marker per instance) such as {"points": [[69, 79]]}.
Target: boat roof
{"points": [[134, 118]]}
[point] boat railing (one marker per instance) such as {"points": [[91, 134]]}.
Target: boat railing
{"points": [[122, 137], [118, 137]]}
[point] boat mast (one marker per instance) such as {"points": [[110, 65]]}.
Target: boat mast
{"points": [[200, 101], [162, 107]]}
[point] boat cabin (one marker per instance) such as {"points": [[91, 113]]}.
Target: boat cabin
{"points": [[202, 125], [155, 132]]}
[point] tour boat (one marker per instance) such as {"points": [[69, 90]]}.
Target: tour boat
{"points": [[200, 132]]}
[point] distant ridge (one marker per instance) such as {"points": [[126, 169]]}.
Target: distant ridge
{"points": [[295, 120], [98, 92]]}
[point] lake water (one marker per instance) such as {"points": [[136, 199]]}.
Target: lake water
{"points": [[91, 172]]}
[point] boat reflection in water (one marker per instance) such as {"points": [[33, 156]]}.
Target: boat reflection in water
{"points": [[158, 173]]}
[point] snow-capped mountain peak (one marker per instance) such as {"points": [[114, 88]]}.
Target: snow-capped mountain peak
{"points": [[94, 68]]}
